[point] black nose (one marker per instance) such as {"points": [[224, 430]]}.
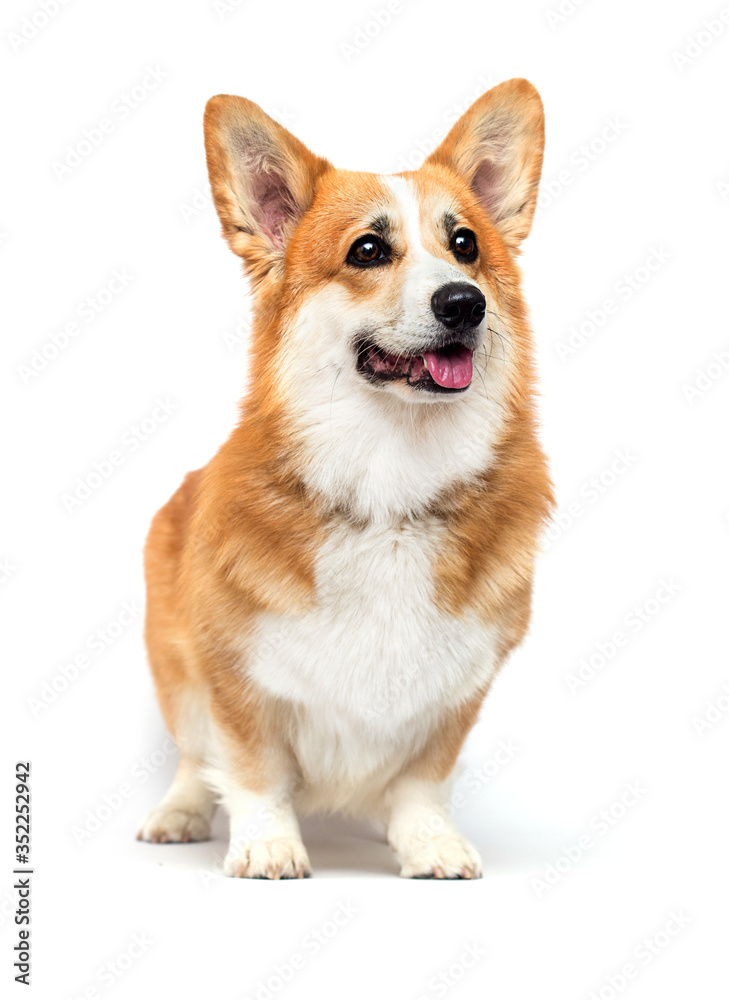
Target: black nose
{"points": [[458, 305]]}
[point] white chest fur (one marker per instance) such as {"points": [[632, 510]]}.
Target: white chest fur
{"points": [[376, 662]]}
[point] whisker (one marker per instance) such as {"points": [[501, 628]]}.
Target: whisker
{"points": [[482, 374], [331, 399], [494, 313], [501, 338]]}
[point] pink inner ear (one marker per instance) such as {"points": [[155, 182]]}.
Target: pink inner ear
{"points": [[274, 205], [487, 186]]}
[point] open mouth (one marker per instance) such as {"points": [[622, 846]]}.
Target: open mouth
{"points": [[448, 368]]}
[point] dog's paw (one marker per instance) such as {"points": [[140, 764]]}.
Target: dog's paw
{"points": [[173, 826], [446, 855], [279, 857]]}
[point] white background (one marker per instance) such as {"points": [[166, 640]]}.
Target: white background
{"points": [[654, 187]]}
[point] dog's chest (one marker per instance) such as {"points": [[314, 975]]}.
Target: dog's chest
{"points": [[375, 653]]}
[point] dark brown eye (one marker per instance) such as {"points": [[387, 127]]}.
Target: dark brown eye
{"points": [[367, 250], [464, 245]]}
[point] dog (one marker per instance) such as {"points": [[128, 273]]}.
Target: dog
{"points": [[330, 598]]}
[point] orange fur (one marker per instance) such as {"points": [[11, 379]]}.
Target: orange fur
{"points": [[241, 536]]}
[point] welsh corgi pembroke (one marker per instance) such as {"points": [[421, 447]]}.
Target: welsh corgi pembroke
{"points": [[330, 598]]}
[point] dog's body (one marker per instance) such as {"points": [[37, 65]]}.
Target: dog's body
{"points": [[330, 598]]}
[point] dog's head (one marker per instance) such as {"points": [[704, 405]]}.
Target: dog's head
{"points": [[386, 278]]}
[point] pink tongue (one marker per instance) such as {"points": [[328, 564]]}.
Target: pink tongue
{"points": [[453, 370]]}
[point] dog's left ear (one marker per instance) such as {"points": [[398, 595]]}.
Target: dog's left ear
{"points": [[497, 147]]}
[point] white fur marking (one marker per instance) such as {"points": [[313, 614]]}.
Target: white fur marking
{"points": [[373, 667]]}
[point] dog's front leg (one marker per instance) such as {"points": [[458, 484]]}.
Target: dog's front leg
{"points": [[257, 790], [423, 835], [420, 826], [265, 840]]}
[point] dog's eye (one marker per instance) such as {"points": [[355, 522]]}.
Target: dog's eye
{"points": [[464, 245], [366, 251]]}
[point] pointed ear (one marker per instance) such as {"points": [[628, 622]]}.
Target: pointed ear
{"points": [[262, 178], [497, 147]]}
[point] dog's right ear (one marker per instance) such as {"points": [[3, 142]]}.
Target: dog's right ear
{"points": [[262, 179]]}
